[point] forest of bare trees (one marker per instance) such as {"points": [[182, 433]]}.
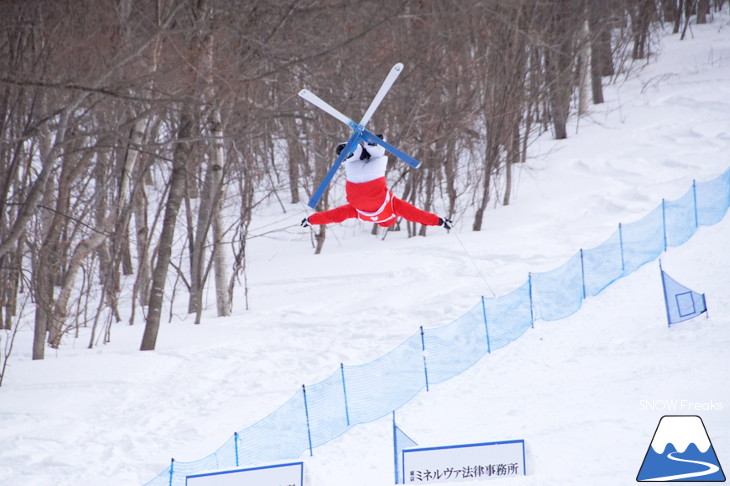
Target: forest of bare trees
{"points": [[138, 137]]}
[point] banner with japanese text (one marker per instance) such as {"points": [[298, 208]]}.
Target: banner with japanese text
{"points": [[466, 462]]}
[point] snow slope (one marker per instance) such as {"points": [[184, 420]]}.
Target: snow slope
{"points": [[586, 392]]}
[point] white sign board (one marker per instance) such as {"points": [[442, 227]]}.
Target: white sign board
{"points": [[467, 462], [278, 475]]}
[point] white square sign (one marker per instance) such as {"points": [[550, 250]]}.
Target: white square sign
{"points": [[467, 462]]}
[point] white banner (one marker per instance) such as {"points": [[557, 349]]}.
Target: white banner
{"points": [[467, 462], [277, 475]]}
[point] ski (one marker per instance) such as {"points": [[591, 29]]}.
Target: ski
{"points": [[349, 148], [371, 138], [359, 132], [332, 111], [384, 88], [324, 106]]}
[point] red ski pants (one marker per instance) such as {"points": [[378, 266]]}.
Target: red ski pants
{"points": [[401, 208]]}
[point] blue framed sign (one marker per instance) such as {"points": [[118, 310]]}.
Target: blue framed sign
{"points": [[277, 475], [467, 462]]}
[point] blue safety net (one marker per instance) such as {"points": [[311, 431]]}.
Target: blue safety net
{"points": [[357, 394], [680, 218], [327, 409], [377, 388], [455, 347], [713, 199], [558, 293], [602, 265], [281, 435], [643, 241], [509, 316]]}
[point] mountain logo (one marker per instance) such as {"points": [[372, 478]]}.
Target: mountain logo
{"points": [[681, 451]]}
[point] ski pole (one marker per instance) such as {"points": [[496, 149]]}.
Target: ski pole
{"points": [[479, 272]]}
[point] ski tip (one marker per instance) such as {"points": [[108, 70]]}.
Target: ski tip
{"points": [[398, 66], [303, 93]]}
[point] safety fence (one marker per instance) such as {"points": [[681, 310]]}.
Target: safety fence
{"points": [[358, 394]]}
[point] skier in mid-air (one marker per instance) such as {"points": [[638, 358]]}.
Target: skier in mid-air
{"points": [[368, 196]]}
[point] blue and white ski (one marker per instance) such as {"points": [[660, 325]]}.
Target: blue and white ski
{"points": [[359, 132]]}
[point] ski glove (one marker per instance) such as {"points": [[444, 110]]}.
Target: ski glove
{"points": [[380, 136], [339, 149], [446, 223], [359, 152], [305, 223], [365, 154]]}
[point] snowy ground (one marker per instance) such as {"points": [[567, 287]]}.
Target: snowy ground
{"points": [[576, 390]]}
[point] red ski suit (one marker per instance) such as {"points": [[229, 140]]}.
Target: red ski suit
{"points": [[369, 198]]}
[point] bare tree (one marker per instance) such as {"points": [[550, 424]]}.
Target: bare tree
{"points": [[125, 123], [222, 296], [176, 192], [642, 13]]}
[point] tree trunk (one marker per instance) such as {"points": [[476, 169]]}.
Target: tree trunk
{"points": [[513, 157], [703, 7], [678, 17], [296, 155], [37, 189], [492, 154], [668, 9], [319, 237], [415, 185], [108, 261], [598, 55], [43, 292], [220, 267], [642, 13], [10, 273], [428, 189], [559, 90], [198, 241], [583, 70], [164, 247], [450, 172], [44, 270], [600, 23], [139, 207], [83, 249]]}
